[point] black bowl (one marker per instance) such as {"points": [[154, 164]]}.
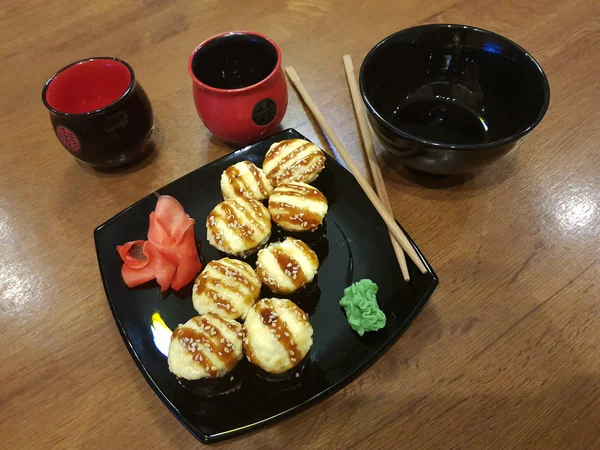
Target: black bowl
{"points": [[449, 99]]}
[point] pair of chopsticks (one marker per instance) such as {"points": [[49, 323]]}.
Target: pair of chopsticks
{"points": [[380, 199]]}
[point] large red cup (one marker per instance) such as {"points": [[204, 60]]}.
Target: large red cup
{"points": [[239, 87]]}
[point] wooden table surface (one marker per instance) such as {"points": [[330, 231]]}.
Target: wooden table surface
{"points": [[505, 355]]}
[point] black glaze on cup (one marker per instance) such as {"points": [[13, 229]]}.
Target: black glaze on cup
{"points": [[111, 135], [236, 61], [448, 99]]}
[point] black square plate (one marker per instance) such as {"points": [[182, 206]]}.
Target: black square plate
{"points": [[356, 245]]}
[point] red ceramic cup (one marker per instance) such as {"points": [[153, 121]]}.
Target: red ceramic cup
{"points": [[239, 87], [99, 112]]}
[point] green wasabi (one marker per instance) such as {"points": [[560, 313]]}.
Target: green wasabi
{"points": [[362, 311]]}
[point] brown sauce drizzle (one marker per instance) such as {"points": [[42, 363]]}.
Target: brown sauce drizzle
{"points": [[307, 161], [237, 182], [220, 301], [291, 214], [259, 180], [293, 190], [237, 277], [291, 268], [308, 252], [249, 350], [222, 348], [202, 285], [271, 154], [266, 279], [198, 353], [212, 226], [213, 338], [245, 232], [229, 272], [281, 332], [233, 326], [250, 214], [287, 158]]}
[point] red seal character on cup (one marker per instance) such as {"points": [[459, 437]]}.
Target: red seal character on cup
{"points": [[68, 139]]}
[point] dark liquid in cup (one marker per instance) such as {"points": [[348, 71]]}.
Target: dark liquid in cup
{"points": [[234, 61], [441, 121]]}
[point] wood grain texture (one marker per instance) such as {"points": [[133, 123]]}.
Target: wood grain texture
{"points": [[505, 355], [384, 212]]}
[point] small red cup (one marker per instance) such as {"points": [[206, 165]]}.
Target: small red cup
{"points": [[239, 87], [99, 112]]}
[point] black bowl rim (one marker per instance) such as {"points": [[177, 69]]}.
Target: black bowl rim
{"points": [[440, 145], [132, 83]]}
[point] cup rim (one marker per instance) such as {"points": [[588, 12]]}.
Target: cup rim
{"points": [[512, 138], [95, 111], [238, 90]]}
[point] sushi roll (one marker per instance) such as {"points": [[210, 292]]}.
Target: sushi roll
{"points": [[206, 346], [293, 160], [277, 335], [239, 226], [226, 287], [284, 267], [297, 206], [244, 179]]}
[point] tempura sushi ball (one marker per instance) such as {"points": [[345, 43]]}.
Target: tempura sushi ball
{"points": [[284, 267], [205, 346], [244, 179], [297, 206], [239, 226], [277, 335], [226, 287], [293, 160]]}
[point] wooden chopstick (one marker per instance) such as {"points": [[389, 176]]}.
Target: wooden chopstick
{"points": [[381, 209], [372, 157]]}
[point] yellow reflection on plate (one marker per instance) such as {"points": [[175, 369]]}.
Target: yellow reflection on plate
{"points": [[161, 334]]}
